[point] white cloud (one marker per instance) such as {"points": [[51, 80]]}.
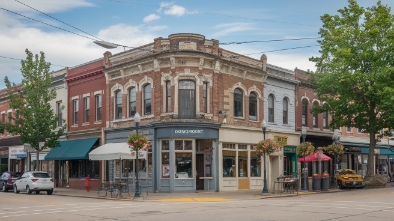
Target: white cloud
{"points": [[229, 28], [151, 17], [170, 8]]}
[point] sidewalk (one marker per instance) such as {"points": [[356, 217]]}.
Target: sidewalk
{"points": [[203, 196]]}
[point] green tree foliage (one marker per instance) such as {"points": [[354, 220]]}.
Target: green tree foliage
{"points": [[34, 119], [355, 70]]}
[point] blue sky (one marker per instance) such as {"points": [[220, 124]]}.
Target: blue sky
{"points": [[134, 23]]}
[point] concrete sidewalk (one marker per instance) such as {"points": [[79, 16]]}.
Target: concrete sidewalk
{"points": [[203, 196]]}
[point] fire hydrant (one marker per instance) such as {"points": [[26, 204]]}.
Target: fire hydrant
{"points": [[87, 183]]}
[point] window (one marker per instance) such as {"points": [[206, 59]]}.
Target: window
{"points": [[255, 165], [168, 96], [252, 106], [325, 116], [205, 97], [242, 161], [118, 105], [187, 99], [75, 105], [86, 104], [147, 99], [271, 108], [348, 129], [229, 153], [82, 168], [165, 159], [132, 101], [3, 118], [9, 117], [99, 106], [238, 103], [285, 111], [315, 116], [304, 112], [183, 159], [59, 113]]}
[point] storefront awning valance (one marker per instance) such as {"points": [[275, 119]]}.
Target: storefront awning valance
{"points": [[72, 149]]}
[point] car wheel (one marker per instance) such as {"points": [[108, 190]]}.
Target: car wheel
{"points": [[49, 192], [37, 192], [16, 189], [3, 188], [28, 190]]}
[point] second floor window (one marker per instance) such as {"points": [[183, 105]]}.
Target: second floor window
{"points": [[118, 105], [205, 97], [59, 114], [147, 99], [75, 107], [325, 117], [315, 116], [3, 118], [132, 102], [304, 112], [285, 111], [99, 106], [86, 104], [271, 108], [253, 106], [238, 103], [168, 96]]}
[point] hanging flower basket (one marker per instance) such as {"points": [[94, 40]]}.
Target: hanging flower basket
{"points": [[138, 142], [335, 149], [305, 149], [267, 146]]}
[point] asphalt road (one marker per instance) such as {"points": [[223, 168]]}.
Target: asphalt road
{"points": [[352, 205]]}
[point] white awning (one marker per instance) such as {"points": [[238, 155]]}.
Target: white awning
{"points": [[115, 151]]}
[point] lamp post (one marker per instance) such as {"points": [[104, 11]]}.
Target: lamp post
{"points": [[137, 119], [319, 153], [303, 133], [265, 189], [335, 139]]}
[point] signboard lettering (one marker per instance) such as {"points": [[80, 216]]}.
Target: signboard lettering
{"points": [[189, 131]]}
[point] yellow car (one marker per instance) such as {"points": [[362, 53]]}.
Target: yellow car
{"points": [[349, 178]]}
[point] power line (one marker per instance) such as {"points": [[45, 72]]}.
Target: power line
{"points": [[58, 20], [284, 49], [22, 59], [47, 24], [273, 40]]}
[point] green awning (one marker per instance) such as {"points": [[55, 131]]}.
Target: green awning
{"points": [[72, 149]]}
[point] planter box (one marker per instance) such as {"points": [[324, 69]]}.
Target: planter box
{"points": [[325, 183], [316, 183]]}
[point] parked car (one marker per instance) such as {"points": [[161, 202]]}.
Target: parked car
{"points": [[34, 181], [349, 178], [7, 180]]}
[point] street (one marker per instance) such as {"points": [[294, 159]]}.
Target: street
{"points": [[350, 205]]}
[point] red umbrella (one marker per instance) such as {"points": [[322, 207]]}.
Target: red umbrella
{"points": [[314, 157]]}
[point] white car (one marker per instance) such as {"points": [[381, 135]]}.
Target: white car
{"points": [[34, 181]]}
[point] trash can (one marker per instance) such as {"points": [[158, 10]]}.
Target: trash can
{"points": [[316, 183], [325, 183]]}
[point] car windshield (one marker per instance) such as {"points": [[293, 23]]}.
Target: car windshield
{"points": [[41, 175], [347, 172]]}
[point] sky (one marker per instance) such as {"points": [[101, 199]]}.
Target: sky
{"points": [[65, 30]]}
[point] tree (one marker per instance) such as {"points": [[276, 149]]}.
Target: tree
{"points": [[34, 119], [355, 70]]}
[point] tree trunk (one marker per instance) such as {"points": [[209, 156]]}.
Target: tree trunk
{"points": [[371, 155], [37, 160]]}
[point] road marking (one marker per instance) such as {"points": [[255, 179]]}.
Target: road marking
{"points": [[189, 199]]}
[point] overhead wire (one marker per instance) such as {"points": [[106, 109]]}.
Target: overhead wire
{"points": [[57, 20]]}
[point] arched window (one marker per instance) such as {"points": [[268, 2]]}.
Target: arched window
{"points": [[315, 116], [118, 105], [285, 111], [168, 96], [238, 103], [132, 102], [187, 99], [253, 106], [147, 99], [304, 112], [271, 108], [325, 116]]}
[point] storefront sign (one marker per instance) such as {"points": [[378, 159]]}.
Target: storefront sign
{"points": [[17, 152], [141, 155], [189, 131], [281, 140], [289, 149]]}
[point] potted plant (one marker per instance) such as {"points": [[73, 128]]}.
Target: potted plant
{"points": [[325, 181], [303, 150]]}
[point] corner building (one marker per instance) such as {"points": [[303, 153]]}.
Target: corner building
{"points": [[200, 105]]}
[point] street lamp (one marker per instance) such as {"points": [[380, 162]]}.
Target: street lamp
{"points": [[303, 133], [319, 153], [264, 127], [335, 138], [137, 119]]}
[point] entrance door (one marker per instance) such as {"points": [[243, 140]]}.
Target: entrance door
{"points": [[200, 171]]}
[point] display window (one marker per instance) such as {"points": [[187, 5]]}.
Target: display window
{"points": [[165, 159], [183, 159]]}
